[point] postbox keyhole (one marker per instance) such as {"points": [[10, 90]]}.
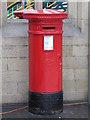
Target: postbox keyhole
{"points": [[59, 57]]}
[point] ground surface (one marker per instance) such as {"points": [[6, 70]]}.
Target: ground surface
{"points": [[79, 111]]}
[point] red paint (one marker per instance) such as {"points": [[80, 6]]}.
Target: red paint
{"points": [[23, 4], [45, 67]]}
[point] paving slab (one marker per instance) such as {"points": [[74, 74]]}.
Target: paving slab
{"points": [[79, 111]]}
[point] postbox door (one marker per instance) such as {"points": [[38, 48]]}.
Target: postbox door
{"points": [[45, 63], [59, 59], [53, 59]]}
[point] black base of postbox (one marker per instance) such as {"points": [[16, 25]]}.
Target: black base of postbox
{"points": [[46, 103]]}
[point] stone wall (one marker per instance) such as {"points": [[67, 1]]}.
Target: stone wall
{"points": [[75, 72], [15, 60]]}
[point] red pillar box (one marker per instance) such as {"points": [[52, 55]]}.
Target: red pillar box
{"points": [[45, 60]]}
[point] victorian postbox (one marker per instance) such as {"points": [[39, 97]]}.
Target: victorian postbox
{"points": [[45, 59]]}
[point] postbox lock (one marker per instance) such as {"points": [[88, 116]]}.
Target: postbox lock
{"points": [[59, 57]]}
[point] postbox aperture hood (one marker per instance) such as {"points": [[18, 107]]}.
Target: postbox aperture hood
{"points": [[30, 13]]}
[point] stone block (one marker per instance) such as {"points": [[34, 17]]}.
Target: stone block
{"points": [[79, 9], [4, 64], [1, 76], [81, 62], [0, 65], [0, 51], [14, 51], [13, 76], [80, 41], [84, 12], [3, 14], [69, 96], [81, 74], [16, 41], [68, 62], [84, 27], [80, 51], [67, 51], [9, 98], [75, 41], [75, 62], [68, 74], [75, 96], [0, 87], [72, 9], [69, 85], [0, 103], [68, 41], [81, 85], [15, 98], [0, 38], [0, 15], [22, 87], [18, 64], [22, 98], [9, 88], [15, 28]]}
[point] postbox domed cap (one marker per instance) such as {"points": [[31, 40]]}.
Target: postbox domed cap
{"points": [[45, 13]]}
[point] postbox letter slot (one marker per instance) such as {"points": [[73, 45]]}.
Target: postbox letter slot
{"points": [[48, 28]]}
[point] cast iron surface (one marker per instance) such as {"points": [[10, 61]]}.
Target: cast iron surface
{"points": [[46, 103]]}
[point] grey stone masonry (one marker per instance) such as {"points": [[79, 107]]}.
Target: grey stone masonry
{"points": [[15, 63]]}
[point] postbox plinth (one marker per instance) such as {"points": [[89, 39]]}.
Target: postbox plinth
{"points": [[45, 60]]}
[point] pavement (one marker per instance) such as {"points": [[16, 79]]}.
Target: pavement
{"points": [[78, 111]]}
